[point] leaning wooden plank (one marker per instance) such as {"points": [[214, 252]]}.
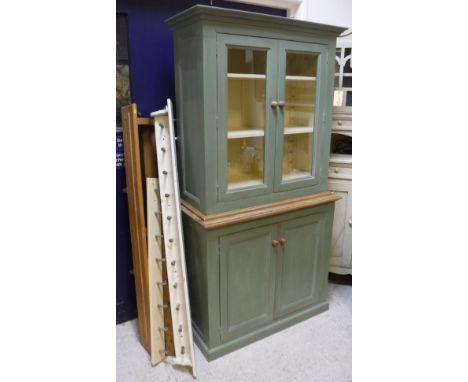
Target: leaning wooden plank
{"points": [[150, 170], [136, 214], [173, 237], [155, 269]]}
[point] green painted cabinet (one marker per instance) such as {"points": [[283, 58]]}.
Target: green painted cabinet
{"points": [[250, 279], [253, 117], [253, 105]]}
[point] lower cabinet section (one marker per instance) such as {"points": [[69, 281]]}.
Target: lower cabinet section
{"points": [[251, 279]]}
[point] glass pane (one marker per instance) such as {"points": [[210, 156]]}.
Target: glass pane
{"points": [[246, 104], [246, 116], [347, 67], [349, 98], [299, 114], [246, 60], [245, 162], [347, 82], [297, 156]]}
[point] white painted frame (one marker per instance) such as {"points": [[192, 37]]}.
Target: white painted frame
{"points": [[155, 270], [173, 236]]}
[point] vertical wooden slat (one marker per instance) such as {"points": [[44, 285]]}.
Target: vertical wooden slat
{"points": [[137, 219], [150, 170]]}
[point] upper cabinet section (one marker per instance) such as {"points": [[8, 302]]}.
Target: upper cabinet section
{"points": [[254, 98]]}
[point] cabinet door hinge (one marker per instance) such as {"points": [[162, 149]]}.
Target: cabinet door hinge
{"points": [[217, 190]]}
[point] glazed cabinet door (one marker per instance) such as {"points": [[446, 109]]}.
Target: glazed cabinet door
{"points": [[246, 82], [302, 268], [300, 114], [247, 280], [341, 245]]}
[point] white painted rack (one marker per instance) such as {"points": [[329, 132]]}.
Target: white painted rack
{"points": [[173, 237]]}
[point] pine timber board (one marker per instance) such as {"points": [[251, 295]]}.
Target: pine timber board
{"points": [[137, 219], [139, 152], [145, 121], [245, 214], [150, 170]]}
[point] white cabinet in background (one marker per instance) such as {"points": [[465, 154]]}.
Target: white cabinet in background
{"points": [[340, 182]]}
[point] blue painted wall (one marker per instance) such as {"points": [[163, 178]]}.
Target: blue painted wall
{"points": [[151, 51], [152, 82]]}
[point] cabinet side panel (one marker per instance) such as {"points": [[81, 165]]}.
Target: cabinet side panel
{"points": [[327, 108], [210, 119], [189, 119], [196, 262], [202, 260]]}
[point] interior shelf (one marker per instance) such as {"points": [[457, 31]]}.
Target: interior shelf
{"points": [[246, 76], [295, 175], [301, 78], [243, 184], [245, 133], [298, 130]]}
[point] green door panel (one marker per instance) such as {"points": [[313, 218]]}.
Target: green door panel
{"points": [[300, 271], [257, 151], [247, 280], [298, 104]]}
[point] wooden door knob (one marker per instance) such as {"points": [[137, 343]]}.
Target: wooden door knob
{"points": [[281, 104], [275, 243], [283, 241], [274, 104]]}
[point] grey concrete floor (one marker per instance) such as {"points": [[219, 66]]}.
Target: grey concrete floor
{"points": [[316, 350]]}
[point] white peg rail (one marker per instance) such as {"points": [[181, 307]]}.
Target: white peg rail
{"points": [[155, 267], [173, 236]]}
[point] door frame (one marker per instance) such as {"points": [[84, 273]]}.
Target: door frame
{"points": [[224, 41], [319, 115]]}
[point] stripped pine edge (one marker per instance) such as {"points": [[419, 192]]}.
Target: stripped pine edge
{"points": [[246, 214], [137, 219], [145, 121]]}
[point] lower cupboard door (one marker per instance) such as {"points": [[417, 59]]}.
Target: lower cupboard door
{"points": [[247, 280], [303, 268]]}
